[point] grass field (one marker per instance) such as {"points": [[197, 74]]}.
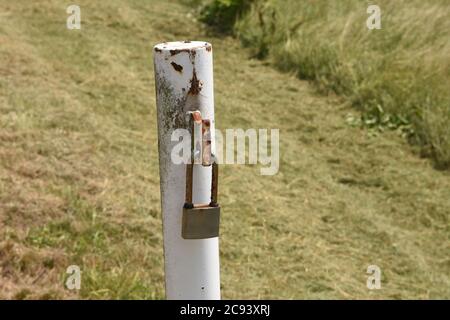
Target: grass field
{"points": [[79, 179]]}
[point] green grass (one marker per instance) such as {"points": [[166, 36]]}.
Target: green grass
{"points": [[79, 177], [399, 76]]}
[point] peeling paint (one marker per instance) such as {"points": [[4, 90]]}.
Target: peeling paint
{"points": [[171, 116], [171, 108]]}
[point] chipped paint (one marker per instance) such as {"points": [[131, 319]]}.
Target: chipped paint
{"points": [[177, 67]]}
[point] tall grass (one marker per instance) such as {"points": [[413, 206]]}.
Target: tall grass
{"points": [[222, 15], [398, 76]]}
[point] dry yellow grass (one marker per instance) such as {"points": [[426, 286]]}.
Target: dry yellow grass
{"points": [[79, 172]]}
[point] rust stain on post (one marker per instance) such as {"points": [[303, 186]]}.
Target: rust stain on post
{"points": [[177, 51], [177, 67], [195, 85], [174, 52]]}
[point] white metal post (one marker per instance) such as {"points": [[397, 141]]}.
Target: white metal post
{"points": [[184, 82]]}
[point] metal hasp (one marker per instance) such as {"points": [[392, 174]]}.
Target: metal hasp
{"points": [[201, 221]]}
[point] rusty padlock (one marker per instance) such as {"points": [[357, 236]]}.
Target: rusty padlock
{"points": [[201, 221]]}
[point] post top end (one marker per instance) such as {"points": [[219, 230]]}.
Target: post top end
{"points": [[181, 46]]}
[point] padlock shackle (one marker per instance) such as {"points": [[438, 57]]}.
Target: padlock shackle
{"points": [[189, 176], [190, 171], [214, 183]]}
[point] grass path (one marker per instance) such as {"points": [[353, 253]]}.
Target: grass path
{"points": [[79, 173]]}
